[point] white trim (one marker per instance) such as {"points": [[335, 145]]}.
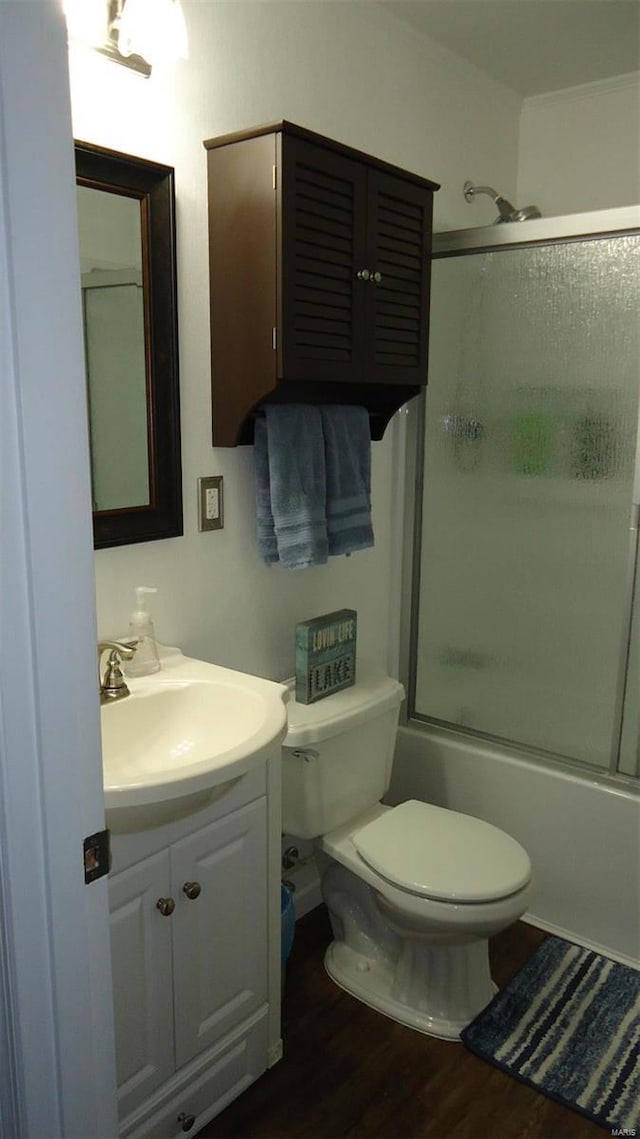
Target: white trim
{"points": [[583, 91], [59, 1028], [306, 879], [11, 1107], [597, 223], [568, 935], [25, 931], [398, 442]]}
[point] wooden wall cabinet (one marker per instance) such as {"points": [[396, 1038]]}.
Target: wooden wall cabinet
{"points": [[319, 277]]}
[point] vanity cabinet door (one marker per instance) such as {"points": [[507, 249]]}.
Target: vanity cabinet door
{"points": [[142, 980], [220, 935]]}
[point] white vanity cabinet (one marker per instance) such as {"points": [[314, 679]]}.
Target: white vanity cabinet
{"points": [[195, 919]]}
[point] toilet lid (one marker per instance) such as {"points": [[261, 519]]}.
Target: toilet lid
{"points": [[442, 854]]}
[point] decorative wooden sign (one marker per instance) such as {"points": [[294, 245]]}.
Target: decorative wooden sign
{"points": [[325, 655]]}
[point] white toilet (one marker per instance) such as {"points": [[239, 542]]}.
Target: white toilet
{"points": [[413, 891]]}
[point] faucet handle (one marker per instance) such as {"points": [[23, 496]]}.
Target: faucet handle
{"points": [[124, 649], [112, 685]]}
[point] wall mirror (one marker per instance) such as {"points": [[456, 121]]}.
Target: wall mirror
{"points": [[126, 224]]}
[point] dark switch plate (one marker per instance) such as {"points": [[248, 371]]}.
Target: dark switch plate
{"points": [[97, 856]]}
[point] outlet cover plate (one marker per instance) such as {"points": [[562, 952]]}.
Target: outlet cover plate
{"points": [[210, 503]]}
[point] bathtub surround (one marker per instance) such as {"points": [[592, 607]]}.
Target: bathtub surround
{"points": [[568, 1024]]}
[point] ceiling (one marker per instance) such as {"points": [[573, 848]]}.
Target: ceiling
{"points": [[533, 45]]}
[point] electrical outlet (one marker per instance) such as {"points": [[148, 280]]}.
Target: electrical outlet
{"points": [[210, 503]]}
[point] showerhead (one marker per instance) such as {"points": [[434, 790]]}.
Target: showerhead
{"points": [[526, 213], [506, 212]]}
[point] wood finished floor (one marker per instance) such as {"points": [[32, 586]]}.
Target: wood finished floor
{"points": [[349, 1071]]}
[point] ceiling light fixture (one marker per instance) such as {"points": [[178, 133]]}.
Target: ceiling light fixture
{"points": [[135, 33]]}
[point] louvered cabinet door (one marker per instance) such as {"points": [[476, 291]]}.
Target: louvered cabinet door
{"points": [[399, 251], [324, 204]]}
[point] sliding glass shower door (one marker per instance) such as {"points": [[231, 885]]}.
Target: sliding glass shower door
{"points": [[527, 541]]}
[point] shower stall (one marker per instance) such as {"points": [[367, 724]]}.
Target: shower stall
{"points": [[523, 634]]}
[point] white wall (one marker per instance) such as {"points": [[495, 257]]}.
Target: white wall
{"points": [[355, 73], [580, 148]]}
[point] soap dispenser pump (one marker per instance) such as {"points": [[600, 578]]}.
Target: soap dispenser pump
{"points": [[145, 659]]}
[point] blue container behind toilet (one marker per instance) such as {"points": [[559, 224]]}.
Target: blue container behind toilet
{"points": [[288, 921]]}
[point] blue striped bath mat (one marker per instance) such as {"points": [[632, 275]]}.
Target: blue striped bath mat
{"points": [[568, 1024]]}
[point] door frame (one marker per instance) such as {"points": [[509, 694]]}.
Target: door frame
{"points": [[56, 1026]]}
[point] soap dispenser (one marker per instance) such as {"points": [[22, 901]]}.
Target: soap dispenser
{"points": [[145, 659]]}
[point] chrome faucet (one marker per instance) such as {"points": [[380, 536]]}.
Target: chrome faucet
{"points": [[112, 684]]}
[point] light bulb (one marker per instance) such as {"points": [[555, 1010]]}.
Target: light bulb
{"points": [[86, 21], [154, 29]]}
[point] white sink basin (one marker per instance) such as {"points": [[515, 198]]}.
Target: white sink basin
{"points": [[186, 729]]}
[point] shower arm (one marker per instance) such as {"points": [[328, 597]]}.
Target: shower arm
{"points": [[506, 212], [470, 190], [505, 209]]}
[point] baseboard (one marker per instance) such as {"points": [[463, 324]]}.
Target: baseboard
{"points": [[569, 935], [307, 893]]}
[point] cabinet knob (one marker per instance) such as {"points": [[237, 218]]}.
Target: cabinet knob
{"points": [[186, 1121], [166, 906], [363, 274], [376, 277], [192, 890]]}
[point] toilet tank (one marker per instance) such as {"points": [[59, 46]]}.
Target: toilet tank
{"points": [[337, 755]]}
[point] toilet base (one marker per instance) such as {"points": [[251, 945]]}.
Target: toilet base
{"points": [[426, 975], [374, 981]]}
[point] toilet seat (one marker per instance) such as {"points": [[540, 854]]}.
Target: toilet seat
{"points": [[442, 855]]}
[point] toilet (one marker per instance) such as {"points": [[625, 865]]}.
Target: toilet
{"points": [[413, 891]]}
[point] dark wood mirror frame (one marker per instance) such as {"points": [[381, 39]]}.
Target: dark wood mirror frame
{"points": [[153, 185]]}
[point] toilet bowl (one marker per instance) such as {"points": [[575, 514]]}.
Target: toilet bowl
{"points": [[412, 937], [413, 891]]}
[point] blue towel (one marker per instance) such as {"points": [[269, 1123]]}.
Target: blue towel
{"points": [[295, 469], [267, 543], [347, 444]]}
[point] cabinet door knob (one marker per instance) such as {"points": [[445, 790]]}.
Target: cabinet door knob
{"points": [[186, 1121], [363, 274], [376, 277], [192, 890], [166, 906]]}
